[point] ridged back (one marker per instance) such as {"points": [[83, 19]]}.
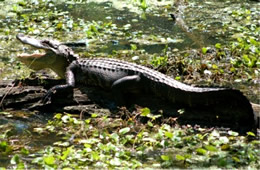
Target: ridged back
{"points": [[115, 65]]}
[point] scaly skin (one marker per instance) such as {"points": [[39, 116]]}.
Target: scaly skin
{"points": [[121, 76]]}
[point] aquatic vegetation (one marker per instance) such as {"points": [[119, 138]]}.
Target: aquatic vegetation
{"points": [[136, 142], [223, 50]]}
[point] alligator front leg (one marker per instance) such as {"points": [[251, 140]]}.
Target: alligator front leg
{"points": [[70, 84], [123, 85]]}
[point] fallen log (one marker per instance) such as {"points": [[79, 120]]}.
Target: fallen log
{"points": [[27, 94]]}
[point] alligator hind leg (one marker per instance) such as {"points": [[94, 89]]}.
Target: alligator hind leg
{"points": [[124, 85]]}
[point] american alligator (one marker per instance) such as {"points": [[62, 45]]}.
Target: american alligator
{"points": [[121, 76]]}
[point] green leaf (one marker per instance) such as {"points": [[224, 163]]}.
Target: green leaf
{"points": [[94, 115], [87, 121], [218, 46], [49, 160], [58, 116], [124, 130], [24, 151], [15, 160], [169, 135], [225, 147], [3, 146], [115, 137], [150, 124], [20, 166], [95, 156], [66, 153], [214, 66], [187, 156], [180, 158], [133, 47], [165, 157], [201, 151], [253, 41], [145, 111], [236, 159], [204, 50], [250, 134], [59, 25], [177, 78], [211, 148], [93, 29]]}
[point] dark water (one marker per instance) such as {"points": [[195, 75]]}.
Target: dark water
{"points": [[163, 26]]}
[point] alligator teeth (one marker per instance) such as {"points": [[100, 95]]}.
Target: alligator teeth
{"points": [[31, 55]]}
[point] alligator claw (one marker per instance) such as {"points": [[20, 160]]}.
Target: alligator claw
{"points": [[47, 97]]}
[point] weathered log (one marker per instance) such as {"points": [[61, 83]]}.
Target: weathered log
{"points": [[27, 94]]}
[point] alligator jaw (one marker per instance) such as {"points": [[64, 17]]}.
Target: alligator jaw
{"points": [[36, 61], [52, 58], [42, 44]]}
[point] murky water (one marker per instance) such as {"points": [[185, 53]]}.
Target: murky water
{"points": [[159, 25], [19, 128]]}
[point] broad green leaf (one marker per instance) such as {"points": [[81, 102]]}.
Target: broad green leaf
{"points": [[58, 116], [211, 148], [66, 153], [59, 25], [145, 111], [133, 47], [218, 45], [225, 147], [49, 160], [24, 151], [177, 78], [250, 134], [236, 159], [165, 157], [169, 135], [201, 151], [150, 124], [180, 157], [94, 115], [3, 145], [204, 50], [95, 156], [15, 160], [214, 66], [187, 156], [87, 121]]}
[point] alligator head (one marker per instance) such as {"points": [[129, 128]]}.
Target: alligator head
{"points": [[56, 56]]}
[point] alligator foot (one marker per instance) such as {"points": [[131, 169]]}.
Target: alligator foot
{"points": [[56, 92], [47, 97]]}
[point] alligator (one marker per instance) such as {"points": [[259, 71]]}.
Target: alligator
{"points": [[121, 76]]}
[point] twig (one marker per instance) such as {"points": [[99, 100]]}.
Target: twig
{"points": [[1, 103]]}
